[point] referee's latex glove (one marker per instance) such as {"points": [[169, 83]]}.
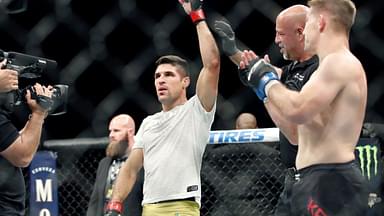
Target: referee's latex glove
{"points": [[227, 37]]}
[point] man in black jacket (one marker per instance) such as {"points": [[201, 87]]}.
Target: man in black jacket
{"points": [[121, 139]]}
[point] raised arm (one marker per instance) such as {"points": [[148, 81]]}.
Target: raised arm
{"points": [[207, 83]]}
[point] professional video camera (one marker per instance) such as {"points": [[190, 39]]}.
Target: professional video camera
{"points": [[30, 69]]}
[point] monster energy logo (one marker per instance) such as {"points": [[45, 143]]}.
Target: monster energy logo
{"points": [[368, 153]]}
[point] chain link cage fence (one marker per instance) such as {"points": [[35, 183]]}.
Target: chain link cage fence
{"points": [[112, 45], [237, 179]]}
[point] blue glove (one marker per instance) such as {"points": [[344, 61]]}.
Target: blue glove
{"points": [[267, 77], [257, 75]]}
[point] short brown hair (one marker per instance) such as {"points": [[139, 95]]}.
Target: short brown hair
{"points": [[175, 61], [343, 12]]}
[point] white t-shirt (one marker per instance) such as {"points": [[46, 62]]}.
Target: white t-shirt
{"points": [[173, 143]]}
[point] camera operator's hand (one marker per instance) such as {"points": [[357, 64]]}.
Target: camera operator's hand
{"points": [[39, 91], [8, 78]]}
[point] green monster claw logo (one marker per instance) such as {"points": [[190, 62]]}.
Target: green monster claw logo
{"points": [[370, 153]]}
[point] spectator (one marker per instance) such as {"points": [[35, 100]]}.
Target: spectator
{"points": [[246, 172], [121, 140], [246, 121]]}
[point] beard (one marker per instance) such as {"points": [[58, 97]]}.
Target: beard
{"points": [[117, 149]]}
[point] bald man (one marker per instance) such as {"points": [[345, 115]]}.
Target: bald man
{"points": [[290, 24], [121, 130], [289, 37], [121, 140], [246, 121]]}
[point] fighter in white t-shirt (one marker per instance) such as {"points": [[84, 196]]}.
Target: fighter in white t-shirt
{"points": [[170, 144]]}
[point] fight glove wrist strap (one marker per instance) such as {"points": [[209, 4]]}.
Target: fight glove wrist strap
{"points": [[262, 88], [269, 85], [197, 16], [115, 205]]}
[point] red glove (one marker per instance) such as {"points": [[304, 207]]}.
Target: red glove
{"points": [[194, 9], [114, 208]]}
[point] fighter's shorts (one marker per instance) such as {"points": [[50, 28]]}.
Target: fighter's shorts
{"points": [[329, 189], [172, 207]]}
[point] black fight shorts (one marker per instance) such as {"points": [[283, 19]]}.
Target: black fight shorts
{"points": [[325, 190]]}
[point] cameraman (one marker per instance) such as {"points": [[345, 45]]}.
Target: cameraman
{"points": [[17, 148]]}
